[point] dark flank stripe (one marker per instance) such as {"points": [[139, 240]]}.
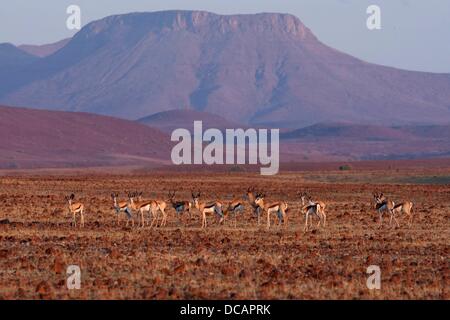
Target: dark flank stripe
{"points": [[236, 205], [274, 205], [398, 205], [140, 205], [379, 205]]}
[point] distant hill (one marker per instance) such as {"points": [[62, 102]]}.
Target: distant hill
{"points": [[168, 121], [45, 49], [35, 138], [347, 141], [351, 131], [11, 57], [257, 69]]}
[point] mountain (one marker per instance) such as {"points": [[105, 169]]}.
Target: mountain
{"points": [[11, 57], [15, 64], [43, 50], [168, 121], [258, 69], [37, 138]]}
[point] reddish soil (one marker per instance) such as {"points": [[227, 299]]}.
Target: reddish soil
{"points": [[222, 262]]}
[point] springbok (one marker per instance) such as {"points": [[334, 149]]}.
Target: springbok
{"points": [[161, 206], [307, 200], [405, 207], [121, 206], [136, 204], [180, 207], [235, 206], [251, 199], [382, 204], [74, 208], [152, 207], [279, 207], [309, 210], [207, 208]]}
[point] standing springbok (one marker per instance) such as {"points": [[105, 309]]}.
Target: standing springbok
{"points": [[309, 210], [150, 206], [160, 205], [206, 208], [137, 204], [251, 199], [235, 206], [382, 204], [121, 206], [307, 200], [74, 208], [279, 207], [180, 207], [405, 207]]}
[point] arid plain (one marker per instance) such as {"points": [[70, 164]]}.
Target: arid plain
{"points": [[182, 261]]}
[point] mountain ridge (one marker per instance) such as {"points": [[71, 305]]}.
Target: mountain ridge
{"points": [[263, 69], [43, 50]]}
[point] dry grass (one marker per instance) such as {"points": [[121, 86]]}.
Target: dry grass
{"points": [[181, 261]]}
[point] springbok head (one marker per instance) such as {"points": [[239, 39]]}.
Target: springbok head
{"points": [[304, 197], [379, 197], [171, 195], [196, 197], [70, 198], [259, 198]]}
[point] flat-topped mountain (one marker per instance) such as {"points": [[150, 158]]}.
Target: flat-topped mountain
{"points": [[255, 69]]}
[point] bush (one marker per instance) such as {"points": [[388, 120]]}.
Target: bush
{"points": [[345, 167]]}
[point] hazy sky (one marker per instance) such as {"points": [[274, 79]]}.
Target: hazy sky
{"points": [[415, 34]]}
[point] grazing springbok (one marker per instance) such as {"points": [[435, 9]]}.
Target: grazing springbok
{"points": [[382, 204], [251, 199], [235, 206], [405, 207], [207, 208], [74, 208], [279, 207], [121, 206], [180, 207], [307, 200]]}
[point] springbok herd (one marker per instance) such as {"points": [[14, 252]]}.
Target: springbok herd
{"points": [[135, 205]]}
